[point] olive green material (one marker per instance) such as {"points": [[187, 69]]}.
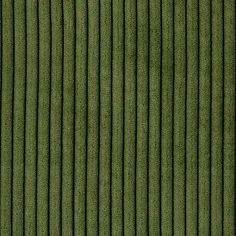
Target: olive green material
{"points": [[117, 117]]}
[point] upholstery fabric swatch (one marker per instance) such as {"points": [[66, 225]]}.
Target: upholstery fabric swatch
{"points": [[117, 117]]}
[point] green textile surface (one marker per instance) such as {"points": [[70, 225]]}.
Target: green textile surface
{"points": [[117, 117]]}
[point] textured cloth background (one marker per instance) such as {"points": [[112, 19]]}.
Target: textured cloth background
{"points": [[117, 117]]}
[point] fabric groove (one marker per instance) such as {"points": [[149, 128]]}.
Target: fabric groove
{"points": [[117, 117]]}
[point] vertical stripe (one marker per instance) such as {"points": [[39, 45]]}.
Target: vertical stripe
{"points": [[81, 117], [142, 117], [7, 116], [18, 125], [179, 118], [154, 117], [192, 116], [217, 116], [167, 113], [31, 118], [204, 118], [105, 117], [68, 119], [130, 119], [55, 116], [117, 117], [93, 117], [43, 117], [229, 118]]}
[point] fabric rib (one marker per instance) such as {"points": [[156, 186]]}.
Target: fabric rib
{"points": [[117, 117]]}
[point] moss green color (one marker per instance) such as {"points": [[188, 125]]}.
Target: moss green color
{"points": [[117, 117]]}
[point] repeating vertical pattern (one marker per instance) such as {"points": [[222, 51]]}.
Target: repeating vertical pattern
{"points": [[204, 161], [117, 117]]}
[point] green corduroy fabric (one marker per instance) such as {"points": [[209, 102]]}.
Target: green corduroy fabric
{"points": [[117, 117]]}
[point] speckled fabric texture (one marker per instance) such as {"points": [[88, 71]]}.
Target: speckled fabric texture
{"points": [[117, 117]]}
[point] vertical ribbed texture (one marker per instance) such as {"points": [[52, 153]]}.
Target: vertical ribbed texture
{"points": [[117, 117]]}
